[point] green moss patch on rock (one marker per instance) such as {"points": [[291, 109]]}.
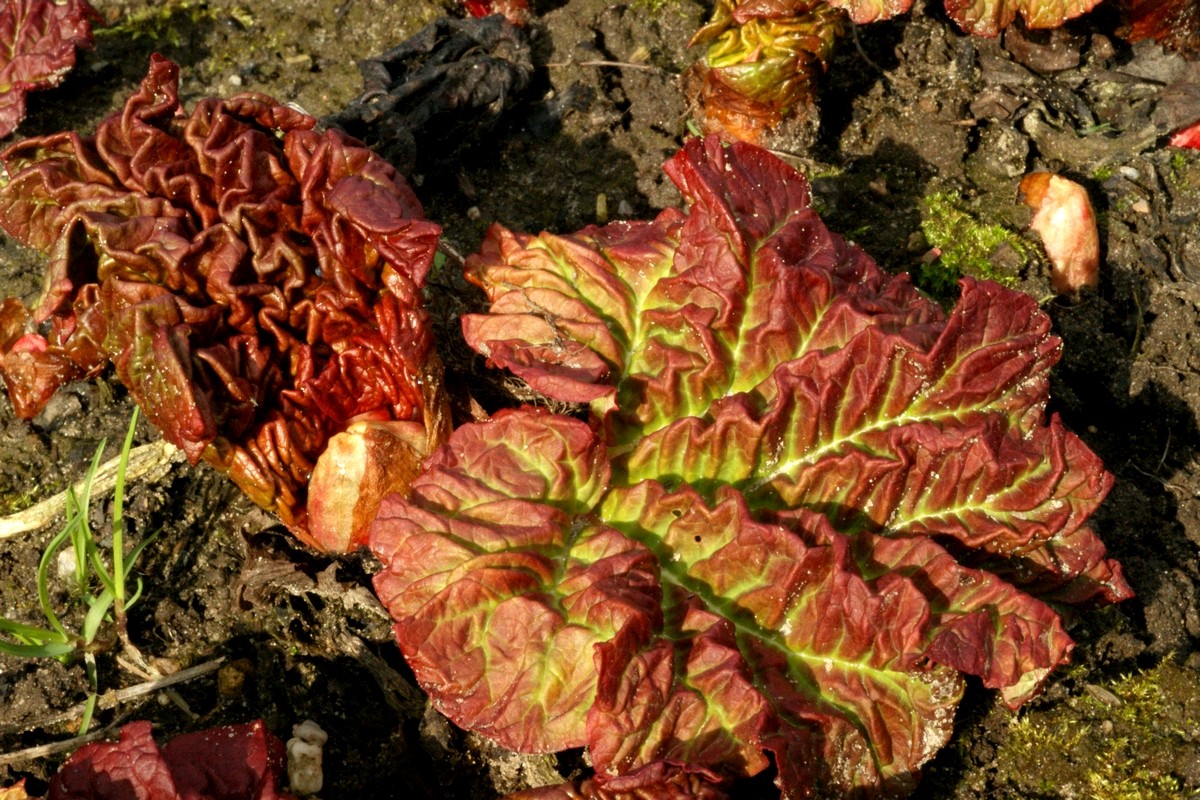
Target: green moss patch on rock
{"points": [[968, 246]]}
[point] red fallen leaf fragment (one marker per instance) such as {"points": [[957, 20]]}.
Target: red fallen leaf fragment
{"points": [[1064, 219], [1173, 23], [236, 762], [806, 501], [38, 39], [515, 11], [1187, 137], [256, 284]]}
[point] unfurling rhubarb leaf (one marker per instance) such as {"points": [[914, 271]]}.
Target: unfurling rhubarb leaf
{"points": [[38, 39], [237, 761], [805, 502], [256, 284], [761, 63]]}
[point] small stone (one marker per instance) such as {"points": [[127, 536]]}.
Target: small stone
{"points": [[64, 563], [1101, 47], [1105, 696], [231, 678], [304, 756]]}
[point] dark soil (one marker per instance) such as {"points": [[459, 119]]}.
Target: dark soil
{"points": [[911, 110]]}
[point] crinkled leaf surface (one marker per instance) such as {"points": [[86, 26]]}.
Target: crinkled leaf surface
{"points": [[37, 49], [237, 762], [805, 501], [979, 17], [659, 781], [256, 284]]}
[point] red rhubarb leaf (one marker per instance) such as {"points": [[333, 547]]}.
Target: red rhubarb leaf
{"points": [[238, 762], [38, 39]]}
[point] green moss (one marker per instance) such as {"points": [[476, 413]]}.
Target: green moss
{"points": [[14, 499], [653, 5], [967, 247], [11, 503], [1179, 162], [1115, 740], [1185, 171], [1128, 781]]}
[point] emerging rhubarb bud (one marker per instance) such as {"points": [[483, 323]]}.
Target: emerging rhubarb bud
{"points": [[761, 63]]}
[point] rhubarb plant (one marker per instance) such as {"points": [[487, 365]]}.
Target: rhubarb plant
{"points": [[256, 284], [801, 502]]}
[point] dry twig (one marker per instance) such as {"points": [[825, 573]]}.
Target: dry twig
{"points": [[149, 461], [110, 699]]}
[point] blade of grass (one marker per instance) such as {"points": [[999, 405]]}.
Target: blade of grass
{"points": [[71, 527], [43, 577], [31, 634], [95, 617], [47, 650], [119, 571]]}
